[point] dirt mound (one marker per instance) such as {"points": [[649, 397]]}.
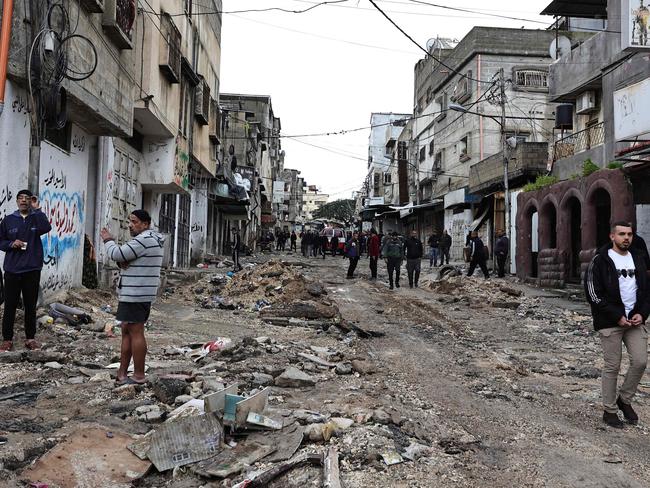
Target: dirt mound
{"points": [[463, 286]]}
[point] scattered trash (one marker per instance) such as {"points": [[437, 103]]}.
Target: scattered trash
{"points": [[391, 458], [185, 441], [261, 305], [263, 421], [73, 316]]}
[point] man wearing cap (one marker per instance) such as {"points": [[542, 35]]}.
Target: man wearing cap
{"points": [[20, 239], [140, 260]]}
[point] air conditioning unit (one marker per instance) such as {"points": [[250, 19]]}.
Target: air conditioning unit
{"points": [[586, 103]]}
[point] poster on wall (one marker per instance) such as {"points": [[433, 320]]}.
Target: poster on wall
{"points": [[635, 17], [630, 117]]}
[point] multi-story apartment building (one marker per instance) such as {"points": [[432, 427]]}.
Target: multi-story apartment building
{"points": [[129, 119], [252, 148], [602, 83], [459, 125]]}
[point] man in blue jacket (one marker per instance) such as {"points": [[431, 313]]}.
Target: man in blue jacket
{"points": [[20, 239]]}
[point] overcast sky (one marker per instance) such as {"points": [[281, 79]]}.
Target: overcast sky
{"points": [[328, 69]]}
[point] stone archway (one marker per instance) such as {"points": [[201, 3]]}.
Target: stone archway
{"points": [[527, 239], [548, 223]]}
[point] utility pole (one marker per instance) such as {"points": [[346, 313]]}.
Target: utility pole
{"points": [[504, 149]]}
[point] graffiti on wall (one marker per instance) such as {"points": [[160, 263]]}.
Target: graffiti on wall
{"points": [[181, 164], [6, 202], [65, 212], [56, 179]]}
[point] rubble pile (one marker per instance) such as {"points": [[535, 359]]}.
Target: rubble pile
{"points": [[493, 292]]}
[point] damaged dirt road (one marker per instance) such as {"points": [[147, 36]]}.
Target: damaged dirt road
{"points": [[460, 383]]}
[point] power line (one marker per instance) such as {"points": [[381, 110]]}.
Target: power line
{"points": [[421, 48], [268, 9]]}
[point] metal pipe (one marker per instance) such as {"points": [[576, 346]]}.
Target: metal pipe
{"points": [[5, 40], [478, 96]]}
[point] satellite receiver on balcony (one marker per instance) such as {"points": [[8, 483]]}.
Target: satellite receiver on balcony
{"points": [[559, 47]]}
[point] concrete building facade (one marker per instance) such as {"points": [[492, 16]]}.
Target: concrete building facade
{"points": [[602, 87]]}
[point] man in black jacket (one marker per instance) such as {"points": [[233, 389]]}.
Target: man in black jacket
{"points": [[501, 250], [477, 255], [414, 252], [616, 286]]}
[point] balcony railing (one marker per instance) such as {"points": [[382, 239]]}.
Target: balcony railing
{"points": [[579, 141]]}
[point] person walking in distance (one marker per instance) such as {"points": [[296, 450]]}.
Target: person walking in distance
{"points": [[324, 242], [392, 250], [414, 252], [477, 255], [445, 247], [20, 239], [334, 244], [501, 249], [373, 253], [434, 249], [236, 248], [293, 238], [140, 260], [352, 253], [616, 287]]}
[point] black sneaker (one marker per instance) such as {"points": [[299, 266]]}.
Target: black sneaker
{"points": [[628, 412], [612, 420], [397, 284]]}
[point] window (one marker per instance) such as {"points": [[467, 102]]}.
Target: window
{"points": [[60, 137], [463, 149], [462, 90], [187, 107], [422, 153], [431, 148], [387, 178], [520, 136], [441, 102], [437, 163], [536, 79]]}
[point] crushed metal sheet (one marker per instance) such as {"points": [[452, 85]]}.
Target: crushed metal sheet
{"points": [[255, 403], [216, 402], [286, 441], [185, 441], [232, 461]]}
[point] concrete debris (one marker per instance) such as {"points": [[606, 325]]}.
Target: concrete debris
{"points": [[294, 378]]}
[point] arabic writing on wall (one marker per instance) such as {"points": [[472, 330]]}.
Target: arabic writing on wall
{"points": [[66, 214], [6, 196]]}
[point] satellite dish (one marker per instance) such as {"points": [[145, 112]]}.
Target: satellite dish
{"points": [[560, 47], [430, 44]]}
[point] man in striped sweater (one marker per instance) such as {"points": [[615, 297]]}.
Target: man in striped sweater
{"points": [[140, 260]]}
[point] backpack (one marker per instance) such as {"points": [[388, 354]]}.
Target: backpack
{"points": [[394, 248]]}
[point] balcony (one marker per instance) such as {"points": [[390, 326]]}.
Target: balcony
{"points": [[526, 161], [118, 22], [579, 142]]}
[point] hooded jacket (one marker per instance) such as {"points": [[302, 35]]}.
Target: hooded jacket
{"points": [[413, 248], [29, 229], [140, 277], [604, 294]]}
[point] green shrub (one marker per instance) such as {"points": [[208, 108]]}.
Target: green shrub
{"points": [[542, 181], [589, 167], [615, 165], [574, 176]]}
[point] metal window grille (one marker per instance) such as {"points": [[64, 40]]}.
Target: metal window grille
{"points": [[183, 251], [126, 171], [532, 78], [167, 220]]}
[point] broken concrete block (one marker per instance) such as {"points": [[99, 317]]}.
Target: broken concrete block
{"points": [[11, 357], [42, 356], [381, 417], [167, 389], [53, 365], [181, 399], [262, 379], [363, 367], [99, 377], [294, 378], [150, 413], [343, 368]]}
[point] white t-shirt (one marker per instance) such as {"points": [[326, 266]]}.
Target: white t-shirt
{"points": [[626, 283]]}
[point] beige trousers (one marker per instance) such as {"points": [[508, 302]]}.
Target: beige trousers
{"points": [[636, 343]]}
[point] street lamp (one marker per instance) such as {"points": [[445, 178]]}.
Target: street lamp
{"points": [[504, 146]]}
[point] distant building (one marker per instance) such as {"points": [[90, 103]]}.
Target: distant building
{"points": [[312, 200]]}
